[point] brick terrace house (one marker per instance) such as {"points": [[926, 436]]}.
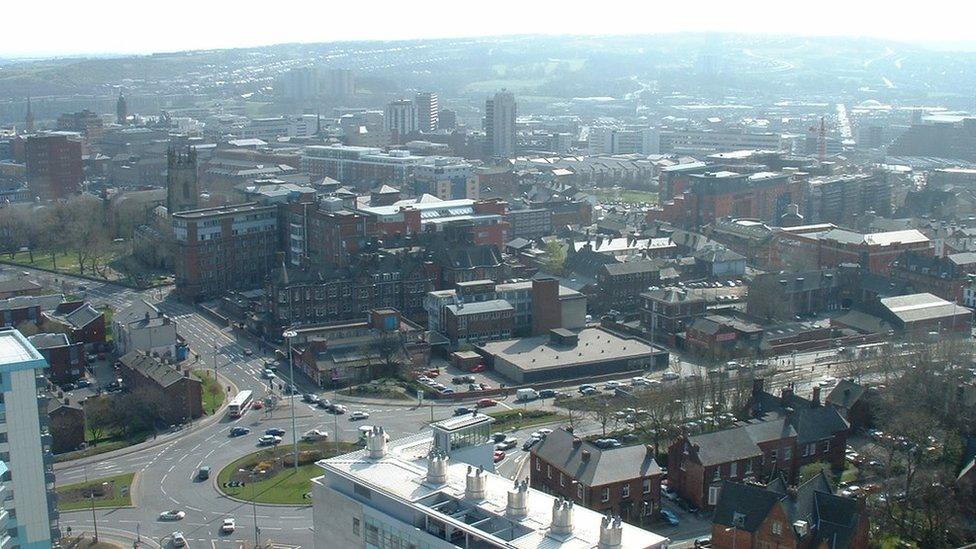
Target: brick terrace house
{"points": [[84, 323], [624, 481], [779, 441], [771, 516], [66, 360], [669, 311], [16, 310], [178, 394]]}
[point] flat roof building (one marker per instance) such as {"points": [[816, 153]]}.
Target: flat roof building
{"points": [[421, 491], [564, 354]]}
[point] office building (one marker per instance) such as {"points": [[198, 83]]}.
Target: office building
{"points": [[27, 518], [447, 178], [400, 118], [427, 112], [224, 248], [500, 113], [435, 490], [54, 167]]}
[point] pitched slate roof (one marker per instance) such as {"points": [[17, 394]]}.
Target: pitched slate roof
{"points": [[845, 394], [154, 369], [744, 506], [605, 466], [740, 442]]}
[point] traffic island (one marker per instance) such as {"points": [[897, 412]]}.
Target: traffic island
{"points": [[109, 492], [269, 475]]}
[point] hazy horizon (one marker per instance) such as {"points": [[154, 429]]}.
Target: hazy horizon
{"points": [[187, 26]]}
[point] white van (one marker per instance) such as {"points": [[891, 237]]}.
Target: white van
{"points": [[526, 394]]}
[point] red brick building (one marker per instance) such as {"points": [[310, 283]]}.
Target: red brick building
{"points": [[625, 481], [700, 198], [178, 395], [54, 166], [84, 323], [325, 234], [780, 441], [825, 247], [809, 516], [474, 323], [66, 360], [667, 312]]}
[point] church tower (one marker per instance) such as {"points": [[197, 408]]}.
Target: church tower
{"points": [[181, 180], [29, 119], [121, 110]]}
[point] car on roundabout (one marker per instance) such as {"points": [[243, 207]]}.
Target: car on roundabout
{"points": [[228, 526], [356, 416], [179, 540], [172, 514]]}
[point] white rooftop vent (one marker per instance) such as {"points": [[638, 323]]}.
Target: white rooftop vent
{"points": [[437, 467], [376, 442], [611, 533], [517, 507], [562, 518], [474, 484], [801, 527]]}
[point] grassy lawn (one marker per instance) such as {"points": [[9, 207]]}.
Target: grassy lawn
{"points": [[628, 196], [213, 393], [509, 419], [850, 473], [107, 493], [282, 483], [66, 263]]}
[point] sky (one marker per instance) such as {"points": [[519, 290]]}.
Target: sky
{"points": [[71, 27]]}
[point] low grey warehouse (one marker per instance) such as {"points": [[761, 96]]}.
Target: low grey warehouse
{"points": [[567, 354]]}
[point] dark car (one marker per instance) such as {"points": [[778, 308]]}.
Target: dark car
{"points": [[463, 410], [310, 398], [239, 431], [274, 431], [669, 517], [324, 404], [83, 383], [547, 393]]}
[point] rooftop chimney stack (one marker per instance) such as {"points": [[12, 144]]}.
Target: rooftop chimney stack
{"points": [[815, 401], [474, 484], [437, 467], [516, 507], [611, 533], [562, 518], [376, 442]]}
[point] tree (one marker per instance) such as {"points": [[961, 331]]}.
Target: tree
{"points": [[99, 416], [555, 258]]}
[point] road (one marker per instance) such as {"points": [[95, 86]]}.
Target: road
{"points": [[173, 462]]}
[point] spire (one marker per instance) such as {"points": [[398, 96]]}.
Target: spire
{"points": [[29, 119], [121, 110]]}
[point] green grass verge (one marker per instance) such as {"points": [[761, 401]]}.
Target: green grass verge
{"points": [[114, 498], [64, 263], [509, 419], [213, 392], [287, 486], [628, 196]]}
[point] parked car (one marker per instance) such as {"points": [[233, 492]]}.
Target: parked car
{"points": [[310, 398], [529, 443], [324, 404], [172, 514], [228, 526], [315, 435], [268, 374], [611, 385], [462, 410], [82, 383], [269, 440], [669, 517], [507, 444], [497, 456], [547, 393], [248, 351], [478, 368], [358, 415], [486, 403], [239, 431], [275, 431], [461, 380], [498, 437]]}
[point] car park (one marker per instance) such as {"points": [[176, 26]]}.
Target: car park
{"points": [[358, 415], [228, 526], [172, 514], [239, 431], [269, 440]]}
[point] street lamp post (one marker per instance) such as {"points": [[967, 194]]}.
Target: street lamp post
{"points": [[254, 509], [289, 334]]}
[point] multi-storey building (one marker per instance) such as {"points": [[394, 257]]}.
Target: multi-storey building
{"points": [[623, 481], [619, 284], [447, 178], [701, 198], [427, 112], [362, 167], [324, 233], [54, 167], [500, 112], [224, 248], [707, 141], [669, 311], [29, 512], [475, 323], [400, 118], [436, 490], [529, 222], [842, 199], [483, 221]]}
